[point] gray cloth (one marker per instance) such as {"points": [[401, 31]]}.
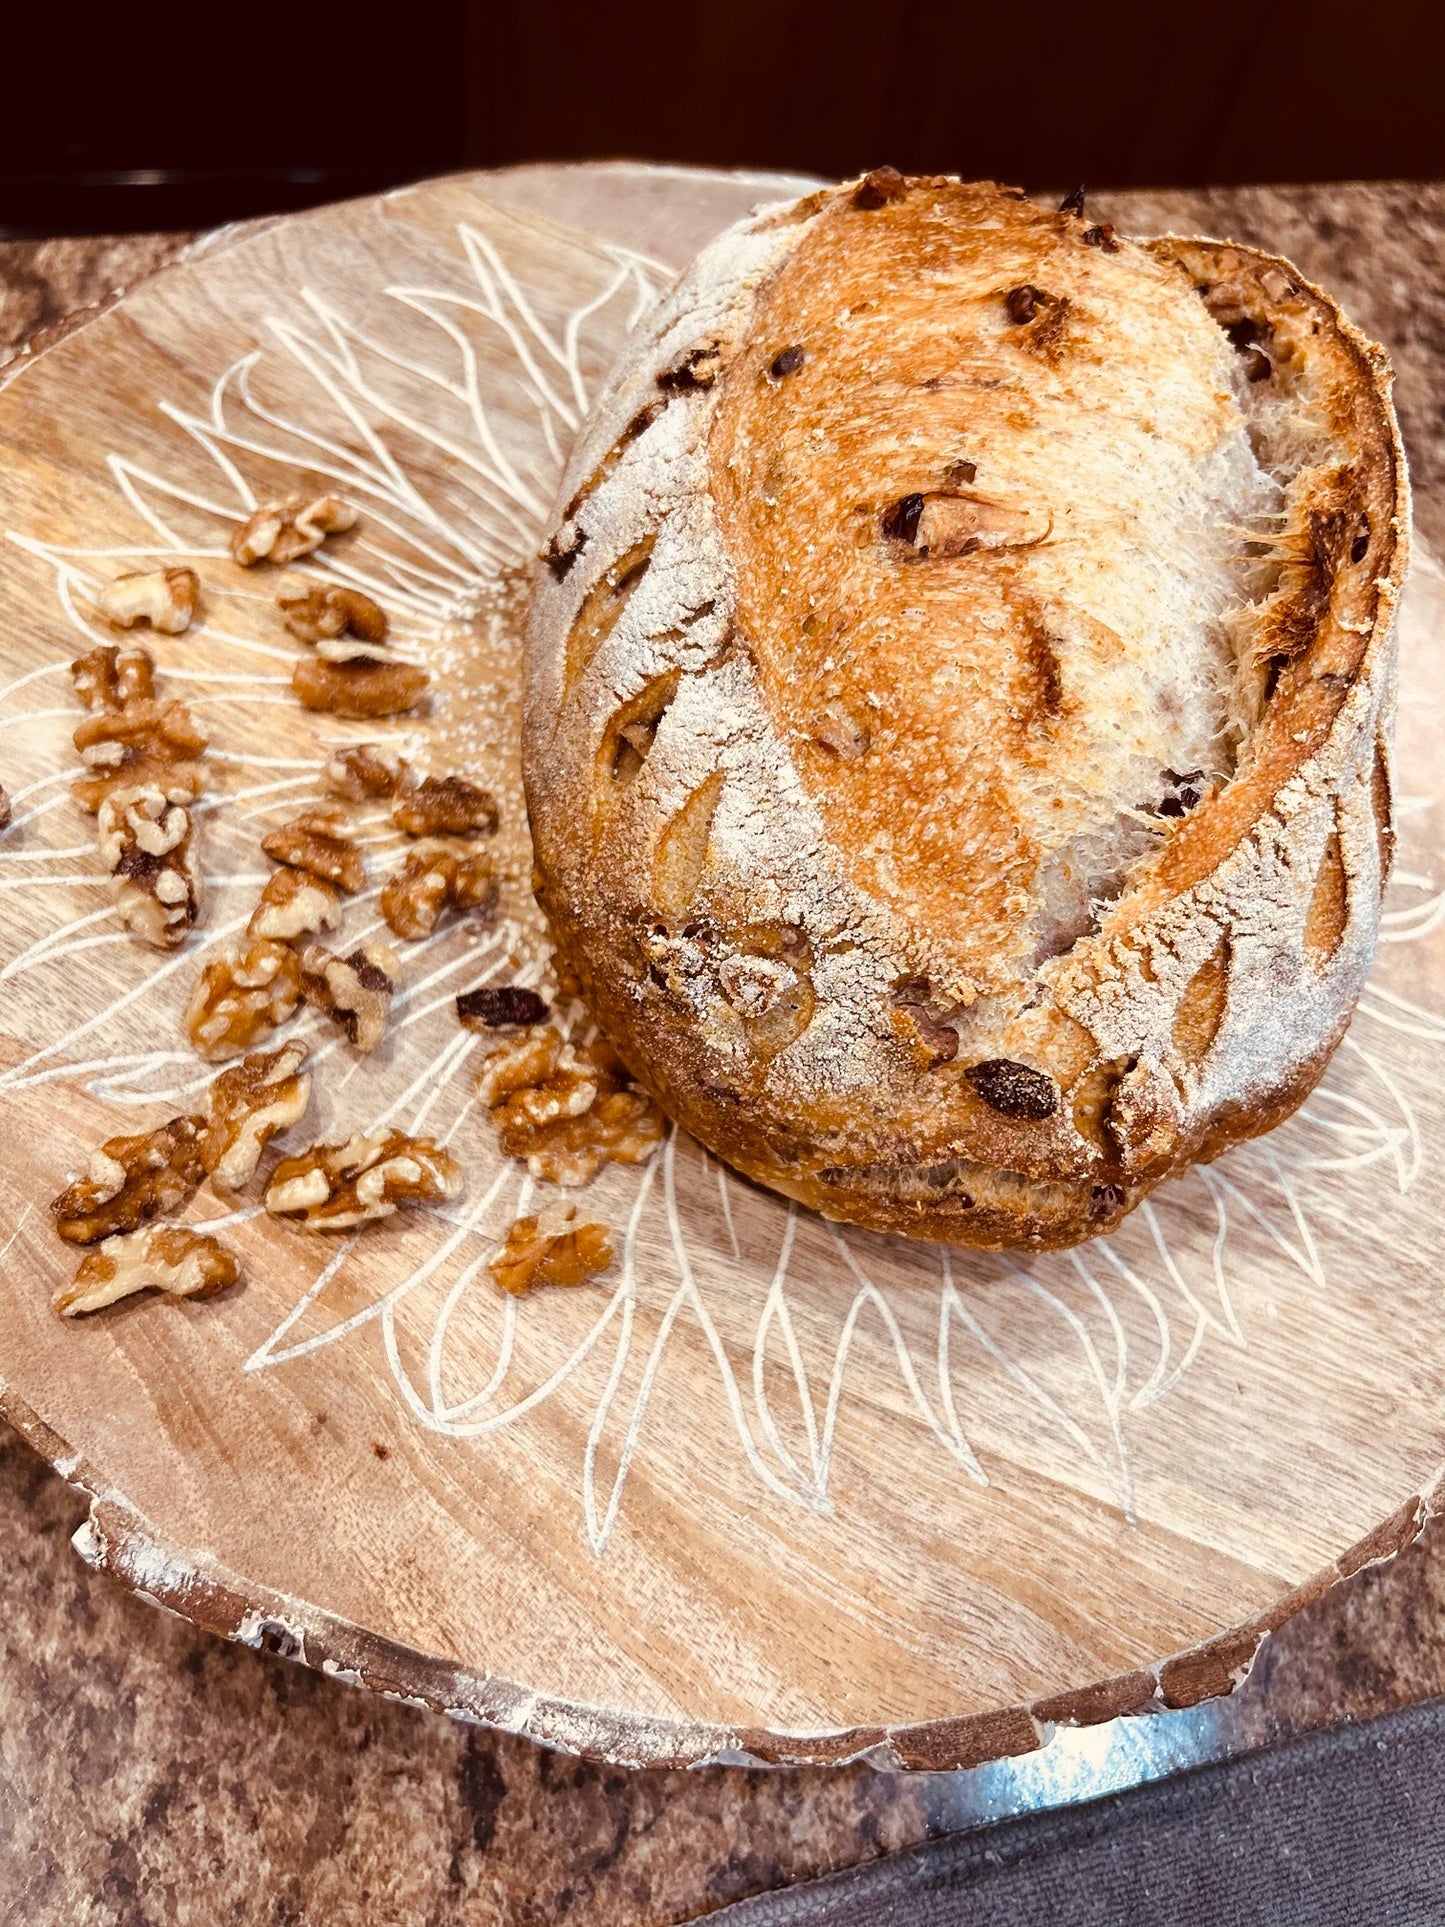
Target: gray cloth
{"points": [[1344, 1828]]}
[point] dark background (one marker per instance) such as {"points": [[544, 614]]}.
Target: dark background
{"points": [[133, 119]]}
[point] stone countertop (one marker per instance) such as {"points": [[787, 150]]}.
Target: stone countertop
{"points": [[150, 1774]]}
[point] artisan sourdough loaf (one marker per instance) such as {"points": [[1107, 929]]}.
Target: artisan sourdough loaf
{"points": [[958, 702]]}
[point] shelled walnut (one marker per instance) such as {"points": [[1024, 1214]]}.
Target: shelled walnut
{"points": [[364, 771], [541, 1252], [285, 531], [294, 904], [445, 806], [161, 1257], [434, 879], [319, 841], [330, 613], [264, 1094], [359, 690], [165, 598], [112, 677], [334, 1187], [145, 842], [567, 1110], [239, 998], [130, 1180], [146, 744], [355, 991]]}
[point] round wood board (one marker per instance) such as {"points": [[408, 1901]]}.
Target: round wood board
{"points": [[770, 1490]]}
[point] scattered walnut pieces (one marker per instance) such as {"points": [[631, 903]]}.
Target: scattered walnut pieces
{"points": [[445, 806], [130, 1180], [567, 1110], [110, 677], [500, 1007], [539, 1252], [355, 991], [434, 879], [294, 904], [264, 1094], [145, 842], [364, 771], [239, 998], [333, 1187], [320, 842], [359, 690], [165, 598], [327, 614], [145, 744], [285, 531], [161, 1257]]}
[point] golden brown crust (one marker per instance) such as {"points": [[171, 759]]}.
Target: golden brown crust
{"points": [[895, 590]]}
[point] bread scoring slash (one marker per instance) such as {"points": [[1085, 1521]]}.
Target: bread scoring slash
{"points": [[958, 700]]}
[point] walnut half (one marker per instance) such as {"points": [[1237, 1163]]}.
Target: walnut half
{"points": [[240, 997], [359, 690], [566, 1110], [319, 841], [130, 1180], [165, 598], [161, 1257], [334, 1187], [143, 744], [110, 677], [434, 879], [145, 842], [355, 991], [363, 771], [294, 904], [325, 614], [264, 1094], [285, 531], [445, 806], [538, 1253]]}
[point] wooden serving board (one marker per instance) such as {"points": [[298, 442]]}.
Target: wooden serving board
{"points": [[770, 1490]]}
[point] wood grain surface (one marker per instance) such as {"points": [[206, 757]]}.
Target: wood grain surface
{"points": [[1112, 1462]]}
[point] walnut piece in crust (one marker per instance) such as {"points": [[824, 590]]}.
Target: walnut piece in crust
{"points": [[161, 1257], [319, 841], [294, 904], [145, 744], [535, 1253], [285, 531], [145, 842], [165, 598], [130, 1180], [240, 997], [355, 991], [359, 690], [112, 677], [364, 771], [334, 1187], [567, 1110], [264, 1094], [434, 879], [326, 614], [445, 806]]}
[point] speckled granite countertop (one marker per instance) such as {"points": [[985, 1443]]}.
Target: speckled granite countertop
{"points": [[149, 1774]]}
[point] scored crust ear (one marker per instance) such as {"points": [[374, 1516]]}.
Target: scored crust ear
{"points": [[855, 626]]}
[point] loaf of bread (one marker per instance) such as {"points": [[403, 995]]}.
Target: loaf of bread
{"points": [[958, 703]]}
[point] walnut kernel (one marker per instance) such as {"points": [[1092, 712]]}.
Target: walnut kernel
{"points": [[364, 771], [536, 1254], [285, 531], [334, 1187], [326, 614], [359, 690], [161, 1257], [145, 842], [445, 806], [130, 1180], [294, 904], [320, 842], [110, 677], [264, 1094], [165, 598], [434, 879], [240, 997], [567, 1110], [143, 745], [355, 991]]}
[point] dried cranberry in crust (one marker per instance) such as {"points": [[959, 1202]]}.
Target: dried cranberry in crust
{"points": [[1102, 236], [1073, 203], [788, 361], [496, 1006], [1104, 1199], [1023, 303], [901, 521], [876, 189], [1256, 364], [1014, 1090]]}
